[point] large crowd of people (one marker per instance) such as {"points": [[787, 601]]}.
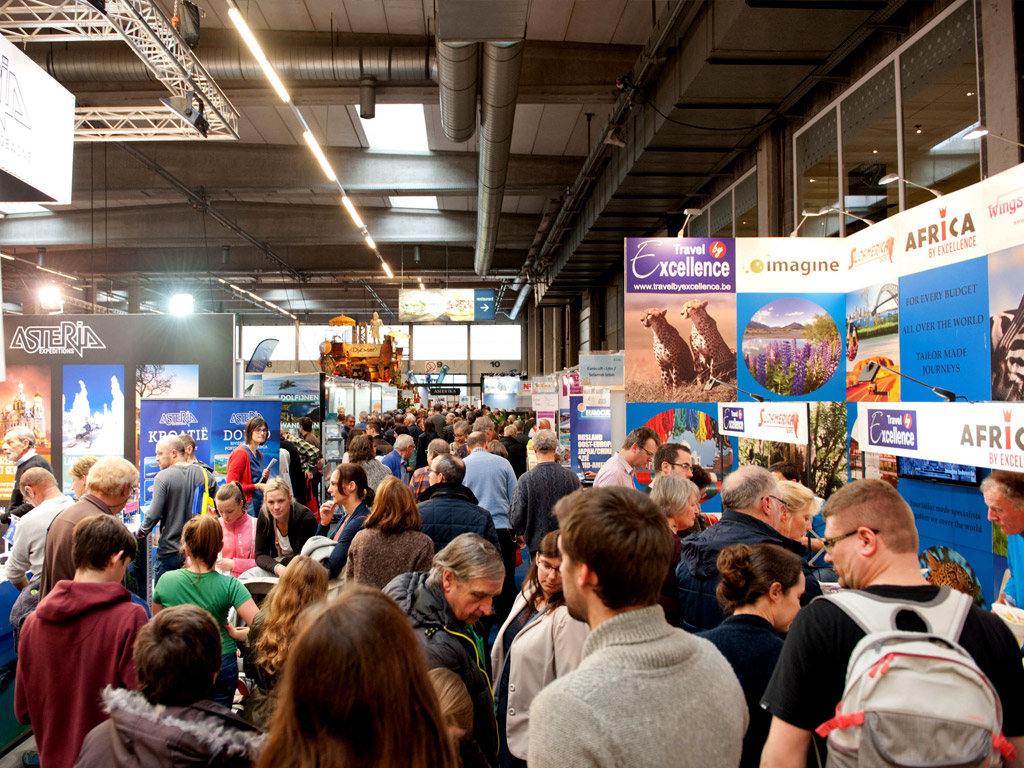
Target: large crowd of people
{"points": [[396, 632]]}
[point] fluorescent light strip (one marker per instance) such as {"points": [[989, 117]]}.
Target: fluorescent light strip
{"points": [[352, 212], [387, 269], [320, 156], [369, 240], [257, 52]]}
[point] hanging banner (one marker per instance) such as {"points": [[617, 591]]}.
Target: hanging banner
{"points": [[546, 405], [602, 370], [976, 434], [778, 422], [591, 429]]}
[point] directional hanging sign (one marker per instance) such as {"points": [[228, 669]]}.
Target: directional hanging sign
{"points": [[484, 300]]}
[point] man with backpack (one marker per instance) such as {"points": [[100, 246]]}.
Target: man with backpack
{"points": [[938, 683]]}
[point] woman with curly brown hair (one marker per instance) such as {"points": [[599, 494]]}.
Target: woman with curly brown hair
{"points": [[304, 583], [361, 451], [355, 692]]}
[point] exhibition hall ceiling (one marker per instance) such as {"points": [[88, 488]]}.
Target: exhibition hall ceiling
{"points": [[688, 86]]}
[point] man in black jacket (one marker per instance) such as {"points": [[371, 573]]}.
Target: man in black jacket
{"points": [[753, 513], [444, 608], [20, 447], [448, 508]]}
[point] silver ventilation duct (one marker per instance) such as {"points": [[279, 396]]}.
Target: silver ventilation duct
{"points": [[94, 63], [457, 81], [499, 87]]}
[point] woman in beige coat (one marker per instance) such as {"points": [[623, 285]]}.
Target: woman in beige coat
{"points": [[538, 642]]}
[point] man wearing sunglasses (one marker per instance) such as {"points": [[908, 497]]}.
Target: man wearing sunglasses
{"points": [[871, 540], [753, 513]]}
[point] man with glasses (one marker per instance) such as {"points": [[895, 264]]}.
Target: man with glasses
{"points": [[871, 540], [673, 459], [637, 452], [448, 508], [753, 512]]}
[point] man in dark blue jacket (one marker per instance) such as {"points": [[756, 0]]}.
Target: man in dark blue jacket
{"points": [[448, 508], [753, 513]]}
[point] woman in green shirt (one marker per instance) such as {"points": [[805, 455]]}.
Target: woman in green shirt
{"points": [[199, 584]]}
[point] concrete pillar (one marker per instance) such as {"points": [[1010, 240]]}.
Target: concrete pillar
{"points": [[770, 187], [550, 334], [134, 297], [998, 80]]}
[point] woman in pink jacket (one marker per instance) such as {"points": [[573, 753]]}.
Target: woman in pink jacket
{"points": [[239, 552]]}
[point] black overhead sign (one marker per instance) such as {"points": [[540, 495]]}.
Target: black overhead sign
{"points": [[444, 390]]}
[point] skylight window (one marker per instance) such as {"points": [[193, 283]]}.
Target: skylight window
{"points": [[397, 127], [424, 202], [11, 208]]}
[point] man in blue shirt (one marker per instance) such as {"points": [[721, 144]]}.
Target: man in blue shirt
{"points": [[493, 482], [395, 460], [1004, 497]]}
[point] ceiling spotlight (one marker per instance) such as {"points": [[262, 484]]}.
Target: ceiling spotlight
{"points": [[181, 304], [422, 288], [690, 213], [50, 299]]}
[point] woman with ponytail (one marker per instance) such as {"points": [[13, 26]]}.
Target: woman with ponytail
{"points": [[760, 596], [352, 496]]}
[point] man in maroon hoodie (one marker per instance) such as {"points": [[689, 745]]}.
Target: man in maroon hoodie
{"points": [[78, 641]]}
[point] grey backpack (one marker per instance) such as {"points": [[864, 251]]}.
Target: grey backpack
{"points": [[913, 698]]}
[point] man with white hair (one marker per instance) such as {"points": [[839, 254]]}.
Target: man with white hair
{"points": [[110, 483], [20, 448], [445, 607], [537, 492], [753, 513], [396, 459]]}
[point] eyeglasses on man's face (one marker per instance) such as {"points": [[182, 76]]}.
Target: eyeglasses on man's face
{"points": [[830, 544]]}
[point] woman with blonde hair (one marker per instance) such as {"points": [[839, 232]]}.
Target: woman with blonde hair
{"points": [[799, 510], [304, 583], [355, 692], [390, 542], [679, 499], [198, 583], [457, 710], [282, 528]]}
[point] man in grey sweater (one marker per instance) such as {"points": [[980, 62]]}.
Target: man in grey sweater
{"points": [[537, 492], [174, 491], [640, 681]]}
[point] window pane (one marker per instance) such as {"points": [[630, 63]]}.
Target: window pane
{"points": [[939, 79], [746, 207], [720, 220], [869, 149], [817, 167], [495, 342], [439, 342]]}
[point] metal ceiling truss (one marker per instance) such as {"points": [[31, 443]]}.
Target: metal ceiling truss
{"points": [[134, 124], [149, 33]]}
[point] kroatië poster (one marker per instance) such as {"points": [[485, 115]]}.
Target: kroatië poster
{"points": [[25, 402], [92, 422], [680, 319], [944, 331]]}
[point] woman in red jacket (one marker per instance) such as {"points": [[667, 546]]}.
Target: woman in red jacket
{"points": [[245, 464]]}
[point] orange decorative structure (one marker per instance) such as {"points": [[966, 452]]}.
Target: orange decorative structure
{"points": [[366, 362]]}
